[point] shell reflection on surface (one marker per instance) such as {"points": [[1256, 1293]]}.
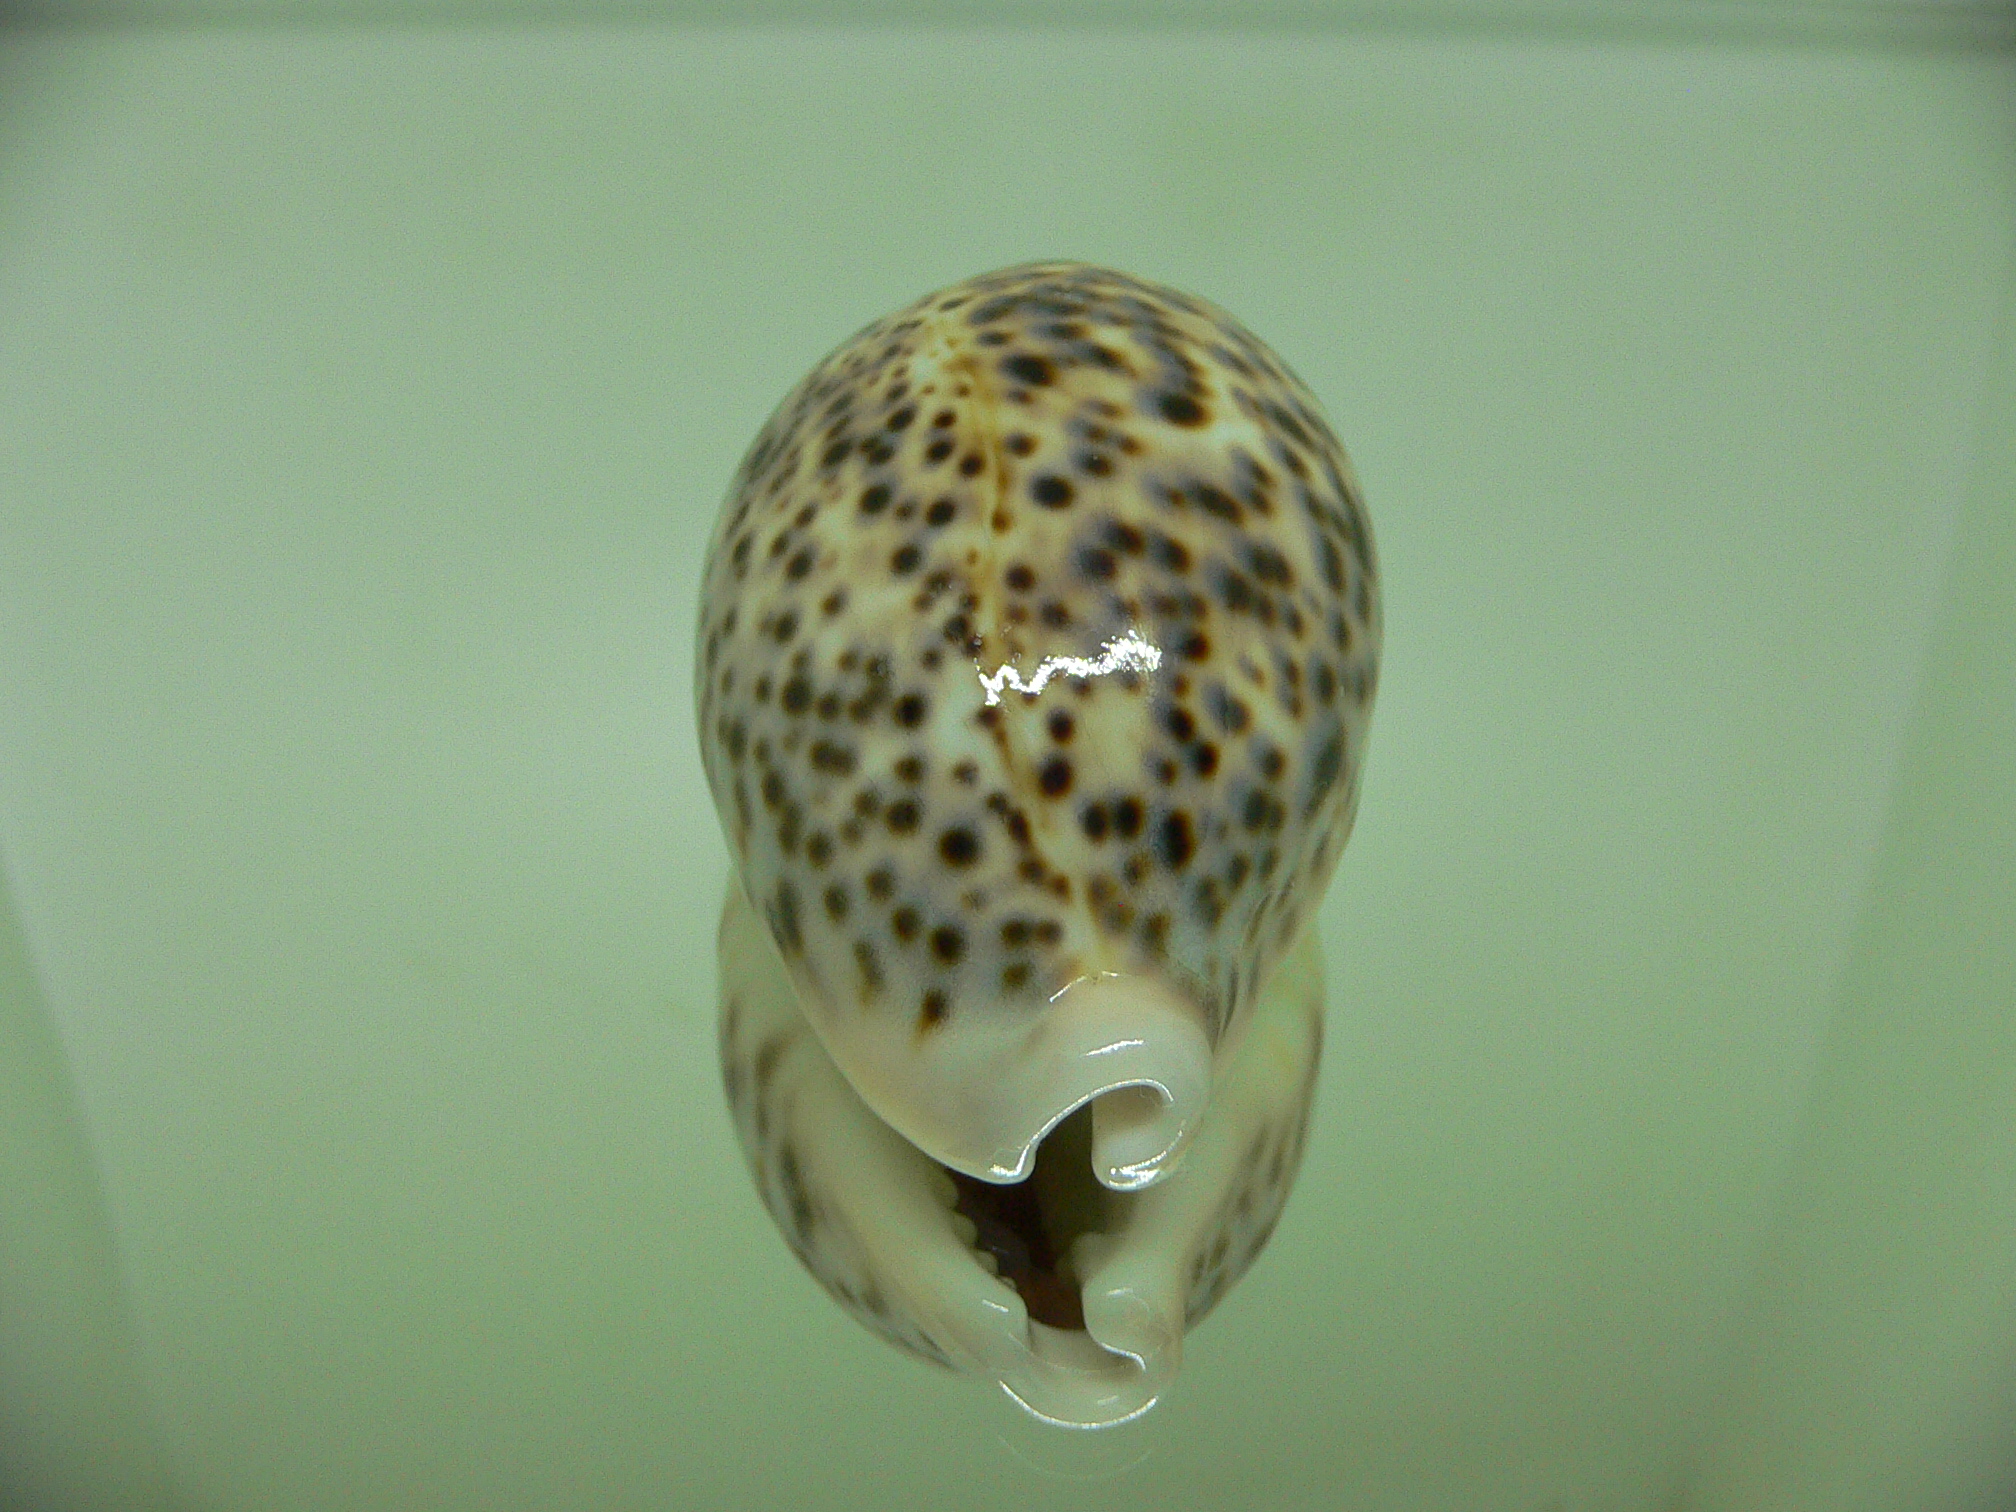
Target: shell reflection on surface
{"points": [[1038, 644]]}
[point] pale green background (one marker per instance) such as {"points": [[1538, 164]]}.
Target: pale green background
{"points": [[366, 393]]}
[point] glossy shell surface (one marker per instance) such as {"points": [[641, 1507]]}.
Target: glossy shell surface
{"points": [[1038, 644]]}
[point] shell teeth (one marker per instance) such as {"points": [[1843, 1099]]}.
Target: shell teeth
{"points": [[1090, 1250], [944, 1188], [969, 1235]]}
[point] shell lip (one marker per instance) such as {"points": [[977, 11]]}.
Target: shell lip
{"points": [[946, 1285], [1078, 1378], [1125, 1406], [982, 1099], [1111, 1120]]}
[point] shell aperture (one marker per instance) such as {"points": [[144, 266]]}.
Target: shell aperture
{"points": [[1039, 637]]}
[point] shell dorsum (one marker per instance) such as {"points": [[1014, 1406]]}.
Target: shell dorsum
{"points": [[1037, 648]]}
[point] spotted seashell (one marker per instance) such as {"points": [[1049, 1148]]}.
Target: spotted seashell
{"points": [[1038, 645]]}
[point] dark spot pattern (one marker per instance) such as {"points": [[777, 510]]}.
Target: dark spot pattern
{"points": [[1031, 465]]}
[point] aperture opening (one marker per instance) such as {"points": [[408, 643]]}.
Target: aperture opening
{"points": [[1030, 1229]]}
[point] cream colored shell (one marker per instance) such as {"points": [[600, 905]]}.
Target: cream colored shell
{"points": [[1037, 650]]}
